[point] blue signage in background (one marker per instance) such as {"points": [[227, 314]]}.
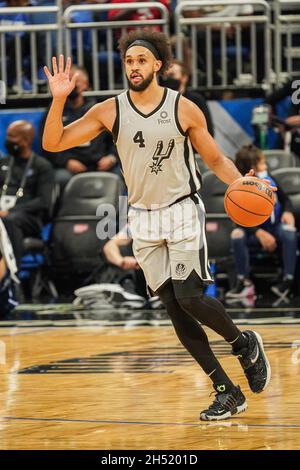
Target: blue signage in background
{"points": [[240, 110]]}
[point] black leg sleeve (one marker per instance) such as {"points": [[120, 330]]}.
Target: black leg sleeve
{"points": [[192, 336], [206, 310]]}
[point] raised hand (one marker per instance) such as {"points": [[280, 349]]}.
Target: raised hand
{"points": [[60, 83]]}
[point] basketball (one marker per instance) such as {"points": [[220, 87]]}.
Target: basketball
{"points": [[249, 201]]}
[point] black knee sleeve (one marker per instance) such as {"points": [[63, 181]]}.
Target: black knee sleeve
{"points": [[187, 327], [191, 287], [166, 292]]}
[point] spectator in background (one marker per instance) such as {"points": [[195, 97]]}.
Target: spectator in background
{"points": [[177, 78], [139, 14], [143, 14], [26, 185], [97, 155], [123, 267], [120, 280], [16, 19], [221, 11], [279, 229], [290, 88], [118, 252]]}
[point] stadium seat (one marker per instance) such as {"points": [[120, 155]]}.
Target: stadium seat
{"points": [[75, 246], [35, 267], [212, 192], [289, 181], [35, 262], [218, 230], [277, 158]]}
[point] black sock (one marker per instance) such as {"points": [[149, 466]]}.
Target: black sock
{"points": [[240, 342], [223, 387], [220, 379]]}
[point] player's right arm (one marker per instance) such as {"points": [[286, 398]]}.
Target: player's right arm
{"points": [[193, 123], [56, 137]]}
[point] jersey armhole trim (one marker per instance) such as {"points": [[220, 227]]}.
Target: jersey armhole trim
{"points": [[115, 129], [176, 116]]}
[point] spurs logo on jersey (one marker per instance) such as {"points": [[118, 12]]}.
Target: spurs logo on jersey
{"points": [[156, 154], [180, 269], [158, 157]]}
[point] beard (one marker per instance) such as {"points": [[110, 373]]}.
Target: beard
{"points": [[143, 85]]}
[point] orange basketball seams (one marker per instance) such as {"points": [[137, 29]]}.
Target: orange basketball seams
{"points": [[249, 201]]}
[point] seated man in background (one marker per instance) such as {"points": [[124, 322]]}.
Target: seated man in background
{"points": [[96, 155], [118, 252], [177, 78], [290, 88], [26, 187], [279, 229]]}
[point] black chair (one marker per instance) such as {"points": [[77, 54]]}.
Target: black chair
{"points": [[212, 192], [218, 231], [76, 246], [289, 181], [85, 192], [279, 159], [35, 263]]}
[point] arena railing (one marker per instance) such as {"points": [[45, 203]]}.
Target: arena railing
{"points": [[46, 39], [57, 37], [234, 71], [110, 31], [14, 67], [286, 26]]}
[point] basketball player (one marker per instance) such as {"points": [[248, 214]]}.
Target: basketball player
{"points": [[154, 129]]}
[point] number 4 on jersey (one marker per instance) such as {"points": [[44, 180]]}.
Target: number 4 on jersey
{"points": [[139, 139]]}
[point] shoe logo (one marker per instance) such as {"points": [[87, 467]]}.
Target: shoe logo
{"points": [[221, 388], [256, 356]]}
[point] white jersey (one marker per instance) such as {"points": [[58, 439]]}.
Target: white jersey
{"points": [[156, 156]]}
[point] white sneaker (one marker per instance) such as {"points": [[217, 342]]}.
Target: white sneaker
{"points": [[242, 289], [113, 294], [155, 303]]}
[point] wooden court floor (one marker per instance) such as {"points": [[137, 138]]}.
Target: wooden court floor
{"points": [[119, 387]]}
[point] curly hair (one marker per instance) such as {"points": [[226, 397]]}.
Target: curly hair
{"points": [[157, 39]]}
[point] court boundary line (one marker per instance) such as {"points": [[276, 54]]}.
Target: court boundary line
{"points": [[149, 423], [88, 323]]}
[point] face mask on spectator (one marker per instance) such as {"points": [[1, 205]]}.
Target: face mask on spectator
{"points": [[13, 149], [172, 83], [73, 95], [262, 174]]}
